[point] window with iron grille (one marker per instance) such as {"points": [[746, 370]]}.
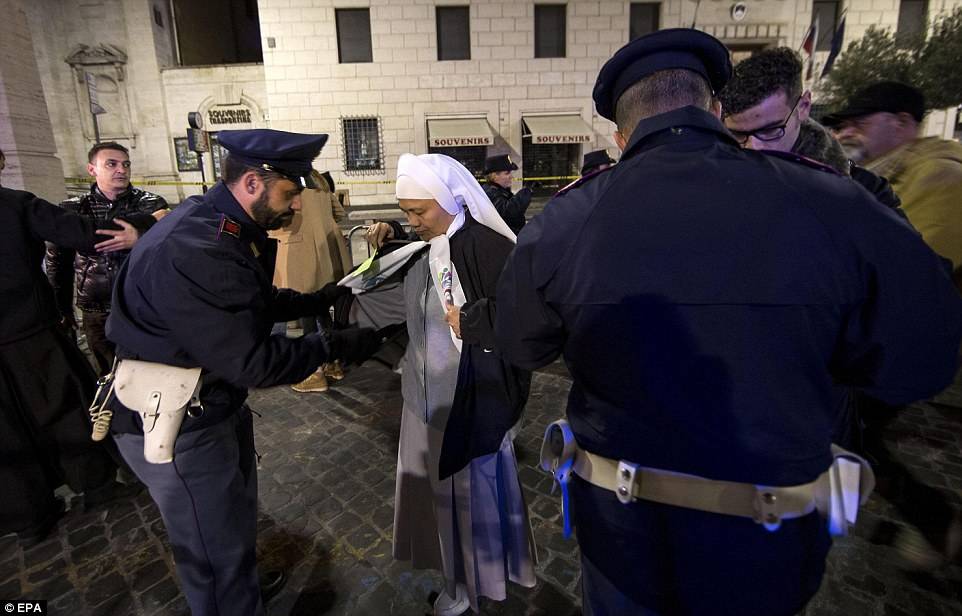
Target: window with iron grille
{"points": [[362, 144], [454, 33], [353, 35], [549, 30], [826, 12], [644, 19], [912, 14]]}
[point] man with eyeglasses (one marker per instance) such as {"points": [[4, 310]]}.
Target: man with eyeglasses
{"points": [[765, 108]]}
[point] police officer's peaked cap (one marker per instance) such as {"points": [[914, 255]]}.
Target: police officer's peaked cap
{"points": [[289, 154], [673, 48]]}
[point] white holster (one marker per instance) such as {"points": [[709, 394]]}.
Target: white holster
{"points": [[161, 394]]}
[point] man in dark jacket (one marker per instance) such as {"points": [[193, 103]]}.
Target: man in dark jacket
{"points": [[765, 108], [511, 206], [93, 273], [706, 299], [45, 381]]}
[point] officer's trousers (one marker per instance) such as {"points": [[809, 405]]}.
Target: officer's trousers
{"points": [[208, 499]]}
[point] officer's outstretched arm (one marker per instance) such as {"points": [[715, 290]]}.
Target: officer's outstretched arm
{"points": [[530, 334], [218, 317]]}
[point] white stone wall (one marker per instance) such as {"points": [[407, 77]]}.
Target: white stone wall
{"points": [[200, 88], [26, 136], [308, 90]]}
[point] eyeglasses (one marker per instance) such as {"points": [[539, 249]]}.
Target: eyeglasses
{"points": [[768, 133]]}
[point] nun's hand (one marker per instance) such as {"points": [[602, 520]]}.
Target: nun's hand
{"points": [[453, 317], [378, 233]]}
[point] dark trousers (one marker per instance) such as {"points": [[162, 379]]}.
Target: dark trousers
{"points": [[922, 506], [94, 325], [649, 559], [45, 388], [208, 500]]}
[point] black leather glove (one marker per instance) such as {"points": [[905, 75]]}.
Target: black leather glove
{"points": [[353, 346], [323, 299], [524, 196]]}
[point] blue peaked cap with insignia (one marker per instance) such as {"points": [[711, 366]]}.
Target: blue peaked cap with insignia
{"points": [[674, 48], [289, 154]]}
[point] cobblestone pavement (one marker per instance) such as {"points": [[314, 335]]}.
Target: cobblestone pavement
{"points": [[326, 496]]}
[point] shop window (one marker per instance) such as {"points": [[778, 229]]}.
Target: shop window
{"points": [[353, 35], [454, 33], [644, 19], [217, 154], [826, 12], [362, 144], [550, 167], [471, 156], [549, 30]]}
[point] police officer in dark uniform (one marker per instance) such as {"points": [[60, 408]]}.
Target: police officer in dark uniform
{"points": [[511, 206], [706, 299], [196, 292]]}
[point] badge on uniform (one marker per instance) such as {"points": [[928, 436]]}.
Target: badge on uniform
{"points": [[231, 227]]}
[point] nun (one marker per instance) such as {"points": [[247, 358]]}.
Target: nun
{"points": [[459, 506]]}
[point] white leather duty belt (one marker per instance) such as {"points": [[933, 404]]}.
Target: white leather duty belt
{"points": [[837, 493]]}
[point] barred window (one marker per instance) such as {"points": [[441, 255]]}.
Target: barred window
{"points": [[644, 19], [912, 14], [826, 12], [362, 144], [549, 30], [353, 35], [454, 33]]}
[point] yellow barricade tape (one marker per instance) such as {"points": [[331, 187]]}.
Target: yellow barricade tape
{"points": [[145, 182]]}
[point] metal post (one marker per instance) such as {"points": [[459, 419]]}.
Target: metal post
{"points": [[203, 178], [96, 129]]}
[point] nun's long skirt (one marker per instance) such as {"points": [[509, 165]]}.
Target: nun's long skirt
{"points": [[472, 526]]}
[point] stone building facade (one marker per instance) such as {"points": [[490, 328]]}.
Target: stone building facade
{"points": [[384, 77]]}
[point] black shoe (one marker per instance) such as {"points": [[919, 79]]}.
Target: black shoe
{"points": [[36, 533], [271, 583], [110, 492]]}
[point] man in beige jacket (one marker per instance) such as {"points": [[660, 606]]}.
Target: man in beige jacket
{"points": [[312, 252], [879, 129]]}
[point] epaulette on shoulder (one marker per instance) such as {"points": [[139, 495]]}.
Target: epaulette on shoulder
{"points": [[802, 160], [228, 226], [582, 180]]}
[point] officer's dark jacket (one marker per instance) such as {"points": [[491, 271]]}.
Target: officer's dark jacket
{"points": [[511, 206], [706, 299], [196, 291], [93, 272], [25, 295]]}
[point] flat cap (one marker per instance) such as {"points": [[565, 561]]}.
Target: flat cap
{"points": [[501, 162], [289, 154], [596, 159], [890, 96], [674, 48]]}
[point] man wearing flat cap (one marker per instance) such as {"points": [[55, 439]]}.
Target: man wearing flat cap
{"points": [[596, 161], [879, 128], [196, 294], [706, 299], [511, 206]]}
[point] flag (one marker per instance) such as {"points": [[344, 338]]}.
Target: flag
{"points": [[808, 45], [837, 40]]}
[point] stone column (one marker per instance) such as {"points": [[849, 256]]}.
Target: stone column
{"points": [[26, 136]]}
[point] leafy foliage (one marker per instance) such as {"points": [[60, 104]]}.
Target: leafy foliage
{"points": [[932, 64]]}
